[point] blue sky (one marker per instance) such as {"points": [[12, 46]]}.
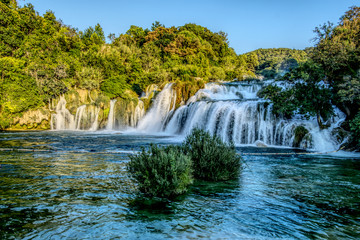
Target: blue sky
{"points": [[249, 24]]}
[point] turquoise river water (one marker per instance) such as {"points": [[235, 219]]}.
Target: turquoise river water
{"points": [[76, 186]]}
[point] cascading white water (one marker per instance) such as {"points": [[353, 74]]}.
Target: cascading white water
{"points": [[111, 117], [156, 117], [62, 119], [86, 117], [95, 124], [235, 113], [214, 91], [78, 116], [230, 110], [137, 114]]}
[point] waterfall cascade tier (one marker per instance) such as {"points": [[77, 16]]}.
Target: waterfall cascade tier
{"points": [[85, 118], [90, 117], [158, 115], [111, 118], [233, 112]]}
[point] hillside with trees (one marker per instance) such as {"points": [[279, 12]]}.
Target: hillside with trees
{"points": [[276, 61], [42, 58]]}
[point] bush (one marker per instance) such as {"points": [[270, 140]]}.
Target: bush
{"points": [[212, 158], [161, 171]]}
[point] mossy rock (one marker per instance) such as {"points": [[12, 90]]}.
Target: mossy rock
{"points": [[94, 94], [151, 92], [102, 101], [72, 101], [44, 125], [103, 117], [124, 109], [148, 100], [300, 132], [185, 90]]}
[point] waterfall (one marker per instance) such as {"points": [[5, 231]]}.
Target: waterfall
{"points": [[95, 124], [137, 114], [233, 112], [62, 119], [111, 117], [78, 116], [86, 117], [161, 110]]}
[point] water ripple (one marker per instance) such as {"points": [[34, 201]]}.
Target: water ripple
{"points": [[67, 195]]}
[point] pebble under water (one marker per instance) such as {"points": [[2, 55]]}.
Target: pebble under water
{"points": [[80, 189]]}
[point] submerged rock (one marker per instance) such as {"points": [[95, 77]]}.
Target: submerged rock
{"points": [[259, 143]]}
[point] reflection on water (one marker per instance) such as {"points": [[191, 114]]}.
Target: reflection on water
{"points": [[77, 191]]}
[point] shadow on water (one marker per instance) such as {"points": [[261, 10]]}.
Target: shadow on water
{"points": [[151, 208], [202, 196], [17, 222], [192, 215], [219, 189]]}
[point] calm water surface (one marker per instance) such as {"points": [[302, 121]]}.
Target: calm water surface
{"points": [[81, 190]]}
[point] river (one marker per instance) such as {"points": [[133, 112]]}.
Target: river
{"points": [[76, 186]]}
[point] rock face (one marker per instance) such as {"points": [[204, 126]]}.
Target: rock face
{"points": [[128, 112], [38, 119]]}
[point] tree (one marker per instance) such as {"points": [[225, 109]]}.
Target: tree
{"points": [[305, 93], [111, 37], [156, 25], [338, 53], [138, 34], [93, 35]]}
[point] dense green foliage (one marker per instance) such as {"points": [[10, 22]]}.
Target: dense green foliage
{"points": [[276, 61], [161, 171], [355, 129], [212, 158], [305, 93], [331, 76], [48, 58], [338, 53]]}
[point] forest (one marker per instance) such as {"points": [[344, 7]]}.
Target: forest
{"points": [[42, 58]]}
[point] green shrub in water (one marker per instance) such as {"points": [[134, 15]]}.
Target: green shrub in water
{"points": [[161, 171], [212, 158]]}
